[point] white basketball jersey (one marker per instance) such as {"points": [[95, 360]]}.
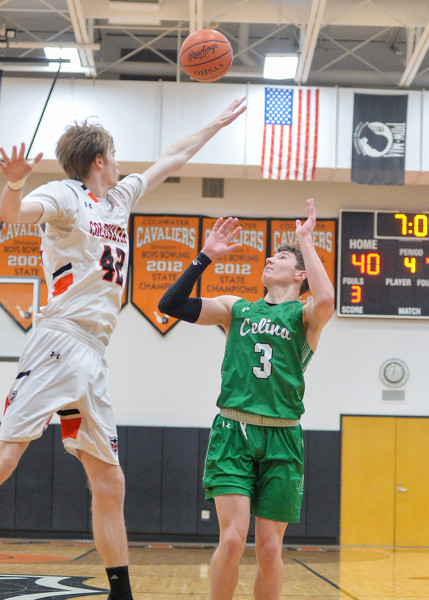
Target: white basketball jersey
{"points": [[85, 251]]}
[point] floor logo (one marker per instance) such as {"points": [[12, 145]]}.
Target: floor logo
{"points": [[45, 587]]}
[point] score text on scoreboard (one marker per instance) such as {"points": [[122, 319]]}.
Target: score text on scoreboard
{"points": [[383, 266]]}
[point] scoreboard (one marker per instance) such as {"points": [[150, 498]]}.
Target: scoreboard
{"points": [[383, 266]]}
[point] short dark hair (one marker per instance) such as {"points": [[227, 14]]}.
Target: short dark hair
{"points": [[299, 264], [79, 145]]}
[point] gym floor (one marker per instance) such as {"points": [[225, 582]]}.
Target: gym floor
{"points": [[72, 569]]}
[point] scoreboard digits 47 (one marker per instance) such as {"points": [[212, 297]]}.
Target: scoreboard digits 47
{"points": [[383, 264]]}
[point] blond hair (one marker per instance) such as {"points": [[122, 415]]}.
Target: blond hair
{"points": [[79, 145]]}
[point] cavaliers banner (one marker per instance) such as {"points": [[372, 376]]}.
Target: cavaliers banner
{"points": [[238, 273], [379, 136], [20, 257], [324, 236], [162, 248], [124, 299]]}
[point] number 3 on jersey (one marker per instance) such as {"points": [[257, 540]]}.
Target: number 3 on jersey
{"points": [[111, 266], [264, 371]]}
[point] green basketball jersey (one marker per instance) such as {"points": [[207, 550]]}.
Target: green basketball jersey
{"points": [[266, 355]]}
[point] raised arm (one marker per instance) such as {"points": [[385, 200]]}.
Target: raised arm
{"points": [[180, 152], [319, 309], [203, 311], [16, 169]]}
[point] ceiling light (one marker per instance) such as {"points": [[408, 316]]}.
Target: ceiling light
{"points": [[71, 54], [280, 66]]}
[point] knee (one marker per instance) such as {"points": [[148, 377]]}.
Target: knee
{"points": [[10, 453], [108, 488], [232, 545], [8, 465], [268, 553]]}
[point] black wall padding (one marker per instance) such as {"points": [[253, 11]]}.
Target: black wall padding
{"points": [[323, 498], [34, 484], [48, 495], [143, 468], [179, 481], [70, 492], [7, 503]]}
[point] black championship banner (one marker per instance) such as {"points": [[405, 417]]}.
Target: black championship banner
{"points": [[379, 133]]}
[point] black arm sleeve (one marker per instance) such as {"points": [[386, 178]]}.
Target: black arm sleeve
{"points": [[176, 302]]}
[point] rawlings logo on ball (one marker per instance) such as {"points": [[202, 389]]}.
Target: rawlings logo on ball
{"points": [[201, 54], [206, 55]]}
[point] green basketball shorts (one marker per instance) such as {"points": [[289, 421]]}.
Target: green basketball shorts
{"points": [[264, 463]]}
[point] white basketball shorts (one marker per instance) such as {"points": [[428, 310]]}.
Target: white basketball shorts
{"points": [[63, 370]]}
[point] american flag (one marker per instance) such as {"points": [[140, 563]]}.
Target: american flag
{"points": [[289, 148]]}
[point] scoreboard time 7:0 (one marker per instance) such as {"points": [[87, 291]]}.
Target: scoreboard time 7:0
{"points": [[383, 264]]}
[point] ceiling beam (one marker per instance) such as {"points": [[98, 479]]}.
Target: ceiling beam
{"points": [[365, 13], [125, 13], [36, 45], [411, 37], [416, 59], [199, 14], [82, 36], [192, 17], [195, 15], [310, 40]]}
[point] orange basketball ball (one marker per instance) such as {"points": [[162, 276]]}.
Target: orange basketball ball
{"points": [[206, 55]]}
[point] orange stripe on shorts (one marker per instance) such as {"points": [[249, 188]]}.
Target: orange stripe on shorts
{"points": [[70, 427]]}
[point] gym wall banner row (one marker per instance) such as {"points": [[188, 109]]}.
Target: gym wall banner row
{"points": [[162, 246]]}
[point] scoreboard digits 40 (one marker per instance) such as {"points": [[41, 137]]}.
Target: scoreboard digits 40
{"points": [[383, 264]]}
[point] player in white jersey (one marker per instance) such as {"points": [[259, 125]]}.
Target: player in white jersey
{"points": [[83, 221], [94, 251]]}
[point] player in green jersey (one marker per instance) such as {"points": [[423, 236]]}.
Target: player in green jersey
{"points": [[254, 462]]}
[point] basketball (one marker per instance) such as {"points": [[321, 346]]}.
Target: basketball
{"points": [[206, 55]]}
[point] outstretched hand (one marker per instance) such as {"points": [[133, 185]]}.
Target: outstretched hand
{"points": [[306, 228], [219, 240], [231, 112], [17, 167]]}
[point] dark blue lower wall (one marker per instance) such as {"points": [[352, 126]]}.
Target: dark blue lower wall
{"points": [[48, 496]]}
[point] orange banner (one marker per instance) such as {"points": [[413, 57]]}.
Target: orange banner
{"points": [[162, 248], [124, 299], [20, 257], [238, 273], [324, 236]]}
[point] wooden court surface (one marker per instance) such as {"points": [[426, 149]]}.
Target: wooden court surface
{"points": [[53, 569]]}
